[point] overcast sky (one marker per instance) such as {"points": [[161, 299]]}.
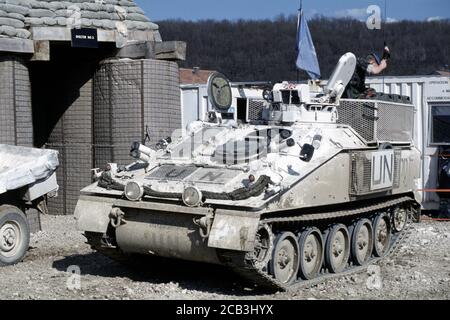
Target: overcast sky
{"points": [[261, 9]]}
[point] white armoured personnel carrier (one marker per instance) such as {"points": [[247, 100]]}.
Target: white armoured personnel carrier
{"points": [[312, 187]]}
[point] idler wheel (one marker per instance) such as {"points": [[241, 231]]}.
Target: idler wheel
{"points": [[285, 258], [381, 235], [362, 242], [399, 219], [311, 253], [337, 249]]}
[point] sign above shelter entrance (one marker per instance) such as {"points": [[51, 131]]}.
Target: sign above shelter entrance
{"points": [[84, 38]]}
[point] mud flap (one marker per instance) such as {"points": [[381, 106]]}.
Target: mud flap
{"points": [[233, 232], [93, 215]]}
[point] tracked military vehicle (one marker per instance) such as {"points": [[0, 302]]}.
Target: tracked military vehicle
{"points": [[313, 186]]}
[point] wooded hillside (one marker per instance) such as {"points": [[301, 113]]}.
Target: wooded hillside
{"points": [[266, 49]]}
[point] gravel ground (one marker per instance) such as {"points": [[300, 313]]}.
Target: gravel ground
{"points": [[419, 270]]}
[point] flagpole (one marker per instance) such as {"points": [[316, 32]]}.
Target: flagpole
{"points": [[300, 10], [307, 59], [384, 36]]}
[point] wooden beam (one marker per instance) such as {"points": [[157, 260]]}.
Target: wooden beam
{"points": [[16, 45], [134, 50], [64, 34], [170, 50]]}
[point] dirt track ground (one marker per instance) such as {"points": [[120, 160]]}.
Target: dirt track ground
{"points": [[420, 270]]}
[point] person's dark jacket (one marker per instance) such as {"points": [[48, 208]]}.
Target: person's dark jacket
{"points": [[357, 84]]}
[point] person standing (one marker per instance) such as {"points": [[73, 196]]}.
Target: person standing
{"points": [[371, 65]]}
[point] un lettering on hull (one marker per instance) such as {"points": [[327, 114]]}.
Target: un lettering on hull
{"points": [[382, 170]]}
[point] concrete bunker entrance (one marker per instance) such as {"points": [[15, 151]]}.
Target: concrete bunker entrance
{"points": [[63, 102], [62, 89]]}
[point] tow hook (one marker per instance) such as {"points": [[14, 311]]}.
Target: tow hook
{"points": [[116, 217], [205, 224]]}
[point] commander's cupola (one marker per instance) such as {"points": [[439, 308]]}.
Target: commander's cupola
{"points": [[290, 103]]}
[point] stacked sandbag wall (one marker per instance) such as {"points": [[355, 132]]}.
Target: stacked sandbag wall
{"points": [[13, 22]]}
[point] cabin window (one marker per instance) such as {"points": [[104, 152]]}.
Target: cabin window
{"points": [[290, 97], [440, 124], [295, 97], [242, 109], [286, 95]]}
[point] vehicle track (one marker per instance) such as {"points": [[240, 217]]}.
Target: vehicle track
{"points": [[242, 264]]}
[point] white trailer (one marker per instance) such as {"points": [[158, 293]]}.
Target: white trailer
{"points": [[27, 178], [431, 96]]}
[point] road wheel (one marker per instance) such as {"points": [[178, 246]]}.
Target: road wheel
{"points": [[311, 253], [14, 235], [285, 258], [362, 242], [337, 250], [381, 235]]}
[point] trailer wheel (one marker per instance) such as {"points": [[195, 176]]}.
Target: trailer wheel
{"points": [[14, 235]]}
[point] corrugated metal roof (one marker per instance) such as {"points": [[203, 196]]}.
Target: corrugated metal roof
{"points": [[17, 16]]}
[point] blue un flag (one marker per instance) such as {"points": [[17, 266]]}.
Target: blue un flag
{"points": [[307, 57]]}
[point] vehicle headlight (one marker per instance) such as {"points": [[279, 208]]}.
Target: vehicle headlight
{"points": [[134, 191], [192, 197]]}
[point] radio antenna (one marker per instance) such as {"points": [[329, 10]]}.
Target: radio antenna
{"points": [[384, 37]]}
